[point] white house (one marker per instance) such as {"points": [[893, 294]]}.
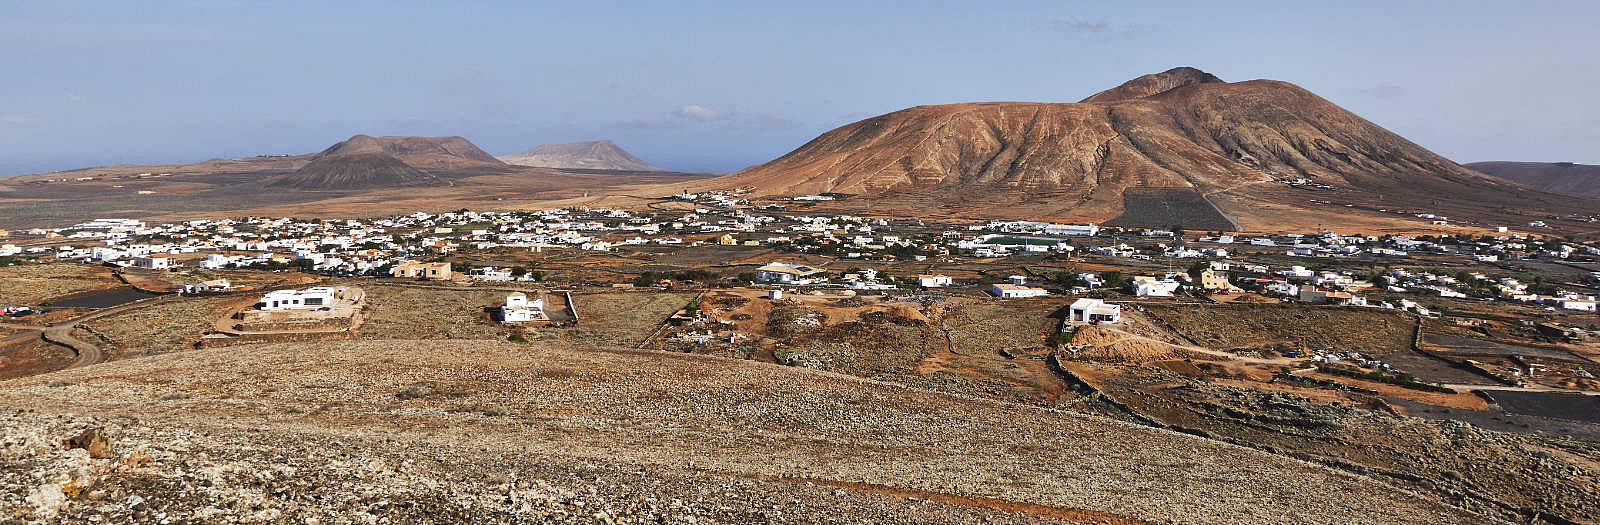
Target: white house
{"points": [[934, 281], [307, 299], [1012, 291], [489, 273], [1094, 310], [778, 272], [1152, 287], [1578, 304], [207, 286], [217, 261], [1407, 304], [518, 309], [154, 263]]}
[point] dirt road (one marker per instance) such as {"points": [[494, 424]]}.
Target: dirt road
{"points": [[88, 354]]}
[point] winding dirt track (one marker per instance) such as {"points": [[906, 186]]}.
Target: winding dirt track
{"points": [[89, 354]]}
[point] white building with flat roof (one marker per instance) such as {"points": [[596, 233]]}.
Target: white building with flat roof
{"points": [[1013, 291], [1094, 310], [782, 273], [307, 299], [154, 263], [518, 309], [1153, 287]]}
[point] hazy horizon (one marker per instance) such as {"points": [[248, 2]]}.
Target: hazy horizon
{"points": [[721, 86]]}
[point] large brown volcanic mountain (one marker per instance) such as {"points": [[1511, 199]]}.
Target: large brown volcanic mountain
{"points": [[365, 162], [1259, 150], [1560, 177]]}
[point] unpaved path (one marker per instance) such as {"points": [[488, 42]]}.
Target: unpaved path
{"points": [[88, 354]]}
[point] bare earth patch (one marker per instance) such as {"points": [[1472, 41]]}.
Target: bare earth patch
{"points": [[649, 412]]}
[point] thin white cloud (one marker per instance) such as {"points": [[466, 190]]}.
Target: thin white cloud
{"points": [[1384, 91], [1100, 29], [693, 111], [75, 98], [1083, 26], [701, 117], [18, 119]]}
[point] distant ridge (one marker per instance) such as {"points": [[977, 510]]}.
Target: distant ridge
{"points": [[429, 153], [361, 162], [367, 162], [597, 154], [1560, 177]]}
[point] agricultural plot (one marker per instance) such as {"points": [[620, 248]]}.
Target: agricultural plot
{"points": [[32, 356], [1576, 407], [1247, 327], [30, 284], [983, 329], [623, 318], [874, 343], [397, 312], [1169, 208], [1469, 346], [158, 329]]}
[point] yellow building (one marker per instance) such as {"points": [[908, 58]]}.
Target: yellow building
{"points": [[1215, 280], [727, 240], [421, 270]]}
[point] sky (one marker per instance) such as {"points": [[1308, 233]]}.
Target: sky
{"points": [[718, 86]]}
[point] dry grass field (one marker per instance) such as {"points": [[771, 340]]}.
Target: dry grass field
{"points": [[623, 318], [398, 312], [32, 283], [32, 356], [1366, 330], [986, 328], [157, 329]]}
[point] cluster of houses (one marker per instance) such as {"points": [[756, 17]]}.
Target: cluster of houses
{"points": [[413, 246]]}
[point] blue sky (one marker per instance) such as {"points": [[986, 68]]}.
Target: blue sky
{"points": [[717, 86]]}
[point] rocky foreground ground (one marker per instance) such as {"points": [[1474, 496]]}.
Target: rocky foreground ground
{"points": [[472, 431]]}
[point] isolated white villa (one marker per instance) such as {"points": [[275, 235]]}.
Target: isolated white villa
{"points": [[1092, 310], [518, 309], [307, 299]]}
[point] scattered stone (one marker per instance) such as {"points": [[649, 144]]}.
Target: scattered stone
{"points": [[414, 391], [93, 441]]}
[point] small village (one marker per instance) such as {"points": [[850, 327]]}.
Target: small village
{"points": [[1320, 267]]}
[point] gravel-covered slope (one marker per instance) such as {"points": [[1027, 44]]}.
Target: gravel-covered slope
{"points": [[405, 429]]}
